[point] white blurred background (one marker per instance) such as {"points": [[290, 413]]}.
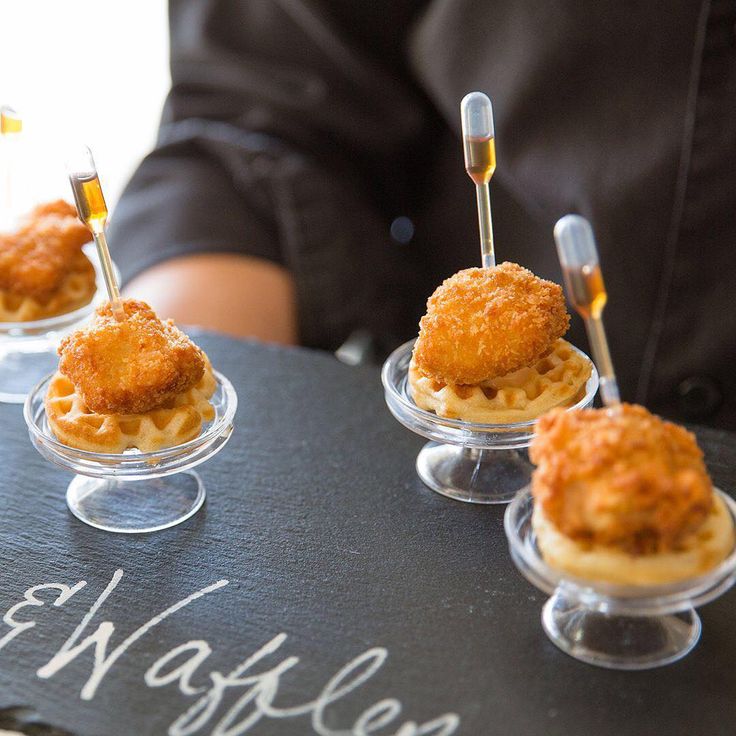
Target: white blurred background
{"points": [[89, 71]]}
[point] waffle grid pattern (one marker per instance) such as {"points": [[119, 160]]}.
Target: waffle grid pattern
{"points": [[556, 379], [77, 289], [77, 426]]}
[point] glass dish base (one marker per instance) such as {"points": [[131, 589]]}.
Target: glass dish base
{"points": [[135, 492], [135, 507], [618, 642], [472, 475], [466, 461], [23, 363]]}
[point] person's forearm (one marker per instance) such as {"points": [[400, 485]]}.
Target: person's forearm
{"points": [[234, 294]]}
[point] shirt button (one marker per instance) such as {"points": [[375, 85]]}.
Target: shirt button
{"points": [[698, 397], [402, 230]]}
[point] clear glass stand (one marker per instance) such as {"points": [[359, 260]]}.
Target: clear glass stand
{"points": [[623, 627], [618, 641], [135, 492], [473, 475], [475, 463], [143, 506], [28, 349]]}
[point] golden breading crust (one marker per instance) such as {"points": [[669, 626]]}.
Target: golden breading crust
{"points": [[76, 290], [131, 366], [620, 477], [35, 258], [487, 322], [179, 421]]}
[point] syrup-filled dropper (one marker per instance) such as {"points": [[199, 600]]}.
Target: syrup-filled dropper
{"points": [[479, 147], [585, 289], [92, 211], [11, 125], [10, 121]]}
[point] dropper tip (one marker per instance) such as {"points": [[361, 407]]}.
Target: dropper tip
{"points": [[608, 389], [117, 310]]}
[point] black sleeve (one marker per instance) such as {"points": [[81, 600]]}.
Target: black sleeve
{"points": [[282, 119], [179, 202]]}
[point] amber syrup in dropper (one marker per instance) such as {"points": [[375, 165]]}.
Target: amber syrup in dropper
{"points": [[90, 200], [480, 157], [92, 211], [587, 291], [10, 122]]}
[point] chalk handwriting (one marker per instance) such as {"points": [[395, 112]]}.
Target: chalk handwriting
{"points": [[254, 686], [18, 627]]}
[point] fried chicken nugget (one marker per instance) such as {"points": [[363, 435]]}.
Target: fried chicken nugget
{"points": [[620, 477], [131, 366], [35, 259], [486, 322]]}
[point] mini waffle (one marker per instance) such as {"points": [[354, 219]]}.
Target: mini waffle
{"points": [[556, 379], [173, 424], [700, 552], [76, 290]]}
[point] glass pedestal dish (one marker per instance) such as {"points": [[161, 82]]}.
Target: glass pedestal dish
{"points": [[475, 463], [28, 349], [135, 492], [627, 627]]}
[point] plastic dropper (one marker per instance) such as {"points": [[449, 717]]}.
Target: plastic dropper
{"points": [[479, 147], [11, 125], [585, 289], [92, 211], [10, 121]]}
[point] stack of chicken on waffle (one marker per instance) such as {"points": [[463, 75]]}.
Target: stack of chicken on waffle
{"points": [[490, 348], [622, 496], [136, 383], [43, 271]]}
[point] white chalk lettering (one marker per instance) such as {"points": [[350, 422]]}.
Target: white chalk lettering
{"points": [[262, 689], [101, 637], [251, 687], [18, 627], [257, 701], [379, 715], [182, 673]]}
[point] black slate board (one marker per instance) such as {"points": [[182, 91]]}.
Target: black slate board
{"points": [[316, 518]]}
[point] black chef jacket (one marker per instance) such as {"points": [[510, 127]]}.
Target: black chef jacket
{"points": [[324, 135]]}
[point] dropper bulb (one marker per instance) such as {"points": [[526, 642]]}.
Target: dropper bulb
{"points": [[575, 242], [476, 113], [479, 144], [80, 163]]}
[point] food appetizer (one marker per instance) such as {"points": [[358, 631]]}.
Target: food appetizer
{"points": [[136, 383], [43, 270], [621, 496], [490, 348]]}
